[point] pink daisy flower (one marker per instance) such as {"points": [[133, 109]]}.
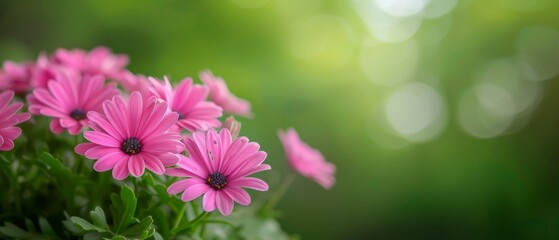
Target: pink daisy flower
{"points": [[100, 60], [219, 93], [135, 82], [8, 120], [308, 161], [16, 77], [68, 98], [128, 137], [188, 100], [218, 168], [46, 70]]}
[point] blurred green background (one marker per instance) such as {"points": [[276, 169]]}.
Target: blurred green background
{"points": [[439, 114]]}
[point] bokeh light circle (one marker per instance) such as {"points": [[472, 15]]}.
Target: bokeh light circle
{"points": [[478, 121], [438, 8], [401, 8], [385, 27], [416, 111]]}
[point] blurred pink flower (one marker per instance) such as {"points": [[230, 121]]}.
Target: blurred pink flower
{"points": [[100, 60], [45, 70], [128, 137], [220, 94], [308, 161], [16, 77], [68, 98], [189, 101], [218, 168], [8, 119], [233, 126], [135, 82]]}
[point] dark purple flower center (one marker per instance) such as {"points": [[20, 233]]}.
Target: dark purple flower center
{"points": [[78, 114], [217, 180], [131, 146], [180, 115]]}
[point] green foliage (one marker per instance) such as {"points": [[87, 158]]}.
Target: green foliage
{"points": [[84, 204], [124, 224], [45, 230], [123, 208]]}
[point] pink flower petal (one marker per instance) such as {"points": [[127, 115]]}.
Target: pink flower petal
{"points": [[136, 165], [238, 195], [152, 119], [246, 163], [177, 172], [194, 192], [250, 182], [153, 164], [100, 151], [10, 132], [120, 170], [104, 124], [181, 185], [192, 168], [208, 201], [108, 161], [83, 147], [307, 161], [67, 122], [5, 98], [102, 139], [135, 107], [224, 203], [168, 159], [7, 145], [55, 126], [163, 145], [249, 171], [166, 123], [116, 117]]}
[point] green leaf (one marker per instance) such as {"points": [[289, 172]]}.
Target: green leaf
{"points": [[149, 179], [157, 236], [139, 228], [147, 233], [98, 218], [116, 209], [118, 238], [71, 227], [96, 236], [161, 220], [85, 225], [161, 191], [30, 226], [127, 207], [55, 167], [46, 229], [14, 231], [5, 168]]}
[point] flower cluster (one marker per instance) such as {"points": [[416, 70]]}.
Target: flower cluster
{"points": [[131, 123]]}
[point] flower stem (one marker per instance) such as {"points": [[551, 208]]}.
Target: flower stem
{"points": [[190, 224], [180, 216], [222, 222], [278, 194]]}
